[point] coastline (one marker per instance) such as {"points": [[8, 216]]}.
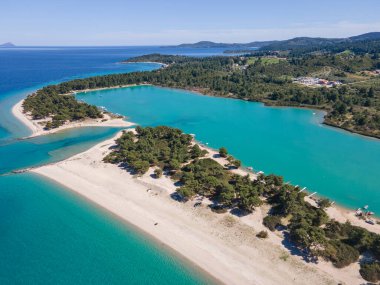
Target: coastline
{"points": [[224, 246], [38, 130], [107, 88], [163, 65], [266, 103], [221, 244]]}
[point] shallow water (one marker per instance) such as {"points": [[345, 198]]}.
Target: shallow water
{"points": [[50, 236], [47, 234], [288, 141]]}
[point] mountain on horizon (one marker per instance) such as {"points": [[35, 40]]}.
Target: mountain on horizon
{"points": [[7, 45], [285, 44]]}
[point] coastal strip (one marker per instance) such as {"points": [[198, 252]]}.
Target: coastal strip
{"points": [[37, 129], [223, 245]]}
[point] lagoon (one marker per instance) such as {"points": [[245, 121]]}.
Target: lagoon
{"points": [[291, 142]]}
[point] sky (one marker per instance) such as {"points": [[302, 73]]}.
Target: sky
{"points": [[166, 22]]}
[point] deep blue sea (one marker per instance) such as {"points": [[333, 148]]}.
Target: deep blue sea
{"points": [[47, 234]]}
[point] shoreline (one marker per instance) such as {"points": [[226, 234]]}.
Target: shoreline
{"points": [[37, 129], [108, 88], [152, 239], [163, 65], [222, 245], [201, 238], [266, 103]]}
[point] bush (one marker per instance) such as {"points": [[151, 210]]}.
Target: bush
{"points": [[324, 203], [343, 254], [370, 271], [219, 209], [158, 172], [262, 234], [223, 152], [271, 222], [140, 166]]}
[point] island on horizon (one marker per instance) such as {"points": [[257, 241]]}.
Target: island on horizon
{"points": [[7, 45]]}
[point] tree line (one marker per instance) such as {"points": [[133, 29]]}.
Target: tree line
{"points": [[354, 105]]}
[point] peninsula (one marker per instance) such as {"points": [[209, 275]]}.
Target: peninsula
{"points": [[240, 228], [169, 163]]}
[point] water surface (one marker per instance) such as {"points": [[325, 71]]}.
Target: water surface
{"points": [[47, 234], [288, 141]]}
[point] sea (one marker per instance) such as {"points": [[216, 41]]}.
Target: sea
{"points": [[49, 235]]}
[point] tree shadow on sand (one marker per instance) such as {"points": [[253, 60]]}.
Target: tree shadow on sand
{"points": [[294, 250]]}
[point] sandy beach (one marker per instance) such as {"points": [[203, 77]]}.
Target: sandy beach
{"points": [[37, 129], [223, 245]]}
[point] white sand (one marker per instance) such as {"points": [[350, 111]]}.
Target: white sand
{"points": [[222, 245], [37, 129]]}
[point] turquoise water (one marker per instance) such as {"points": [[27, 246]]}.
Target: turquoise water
{"points": [[50, 236], [47, 149], [47, 234], [287, 141]]}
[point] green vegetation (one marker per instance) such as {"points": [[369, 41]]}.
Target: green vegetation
{"points": [[271, 222], [354, 105], [308, 226], [262, 234], [47, 103], [263, 60], [223, 152], [370, 271], [164, 147], [158, 172]]}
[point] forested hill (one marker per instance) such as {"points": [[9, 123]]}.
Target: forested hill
{"points": [[209, 44], [291, 44]]}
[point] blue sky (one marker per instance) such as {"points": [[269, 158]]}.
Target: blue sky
{"points": [[149, 22]]}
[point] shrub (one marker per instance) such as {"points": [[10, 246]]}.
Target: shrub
{"points": [[370, 271], [343, 254], [219, 209], [262, 234], [158, 172], [324, 203], [271, 222], [140, 166], [223, 152]]}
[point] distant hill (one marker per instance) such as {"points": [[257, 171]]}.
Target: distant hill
{"points": [[299, 42], [208, 44], [7, 45], [367, 37]]}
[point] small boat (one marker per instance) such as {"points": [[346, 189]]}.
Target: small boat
{"points": [[365, 207]]}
